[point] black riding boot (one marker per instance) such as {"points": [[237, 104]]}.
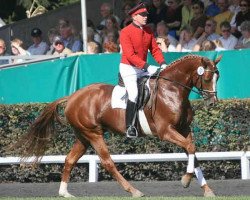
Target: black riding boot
{"points": [[130, 120]]}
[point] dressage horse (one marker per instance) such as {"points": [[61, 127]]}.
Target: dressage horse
{"points": [[89, 112]]}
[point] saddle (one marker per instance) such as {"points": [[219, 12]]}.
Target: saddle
{"points": [[143, 91]]}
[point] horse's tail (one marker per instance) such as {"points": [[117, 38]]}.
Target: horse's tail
{"points": [[35, 141]]}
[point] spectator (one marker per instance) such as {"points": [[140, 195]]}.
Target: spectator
{"points": [[110, 47], [212, 10], [52, 33], [244, 41], [173, 16], [91, 39], [39, 47], [224, 15], [164, 44], [17, 48], [163, 31], [93, 48], [106, 11], [97, 36], [60, 49], [206, 45], [186, 42], [187, 13], [243, 15], [127, 18], [199, 19], [227, 39], [157, 11], [68, 36], [3, 52], [111, 26], [209, 33]]}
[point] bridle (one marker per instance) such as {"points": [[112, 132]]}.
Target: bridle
{"points": [[205, 94]]}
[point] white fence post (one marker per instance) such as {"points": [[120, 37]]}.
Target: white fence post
{"points": [[93, 170], [245, 174]]}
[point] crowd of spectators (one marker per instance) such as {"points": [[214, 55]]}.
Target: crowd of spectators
{"points": [[179, 26]]}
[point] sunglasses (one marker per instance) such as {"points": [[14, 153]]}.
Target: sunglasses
{"points": [[243, 5], [144, 14], [170, 2], [56, 43]]}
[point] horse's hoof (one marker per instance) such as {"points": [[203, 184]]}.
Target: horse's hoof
{"points": [[66, 195], [186, 180], [209, 193], [137, 194]]}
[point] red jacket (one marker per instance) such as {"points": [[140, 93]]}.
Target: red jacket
{"points": [[135, 43]]}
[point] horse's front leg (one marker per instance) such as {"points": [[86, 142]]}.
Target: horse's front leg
{"points": [[193, 166]]}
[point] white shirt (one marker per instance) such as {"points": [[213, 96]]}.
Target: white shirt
{"points": [[229, 43], [187, 47]]}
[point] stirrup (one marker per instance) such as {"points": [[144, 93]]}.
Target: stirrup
{"points": [[132, 132]]}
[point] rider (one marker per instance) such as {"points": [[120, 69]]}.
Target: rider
{"points": [[136, 39]]}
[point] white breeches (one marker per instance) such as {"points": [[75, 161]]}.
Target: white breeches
{"points": [[130, 75]]}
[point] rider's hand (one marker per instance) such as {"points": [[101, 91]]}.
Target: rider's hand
{"points": [[152, 69], [164, 66]]}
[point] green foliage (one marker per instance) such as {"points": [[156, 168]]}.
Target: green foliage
{"points": [[224, 127]]}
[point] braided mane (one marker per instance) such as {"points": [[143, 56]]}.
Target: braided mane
{"points": [[175, 62]]}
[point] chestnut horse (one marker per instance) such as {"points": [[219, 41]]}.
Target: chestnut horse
{"points": [[89, 112]]}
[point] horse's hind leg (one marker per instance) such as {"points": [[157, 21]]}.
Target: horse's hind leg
{"points": [[102, 150], [77, 151]]}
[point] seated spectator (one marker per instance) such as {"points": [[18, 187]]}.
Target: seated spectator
{"points": [[227, 39], [127, 18], [199, 19], [206, 45], [244, 41], [3, 52], [212, 9], [157, 11], [97, 36], [187, 13], [39, 47], [111, 26], [163, 31], [224, 15], [173, 16], [110, 47], [52, 33], [69, 36], [164, 44], [243, 15], [91, 38], [186, 42], [209, 33], [106, 11], [93, 48], [60, 49], [235, 9], [17, 48]]}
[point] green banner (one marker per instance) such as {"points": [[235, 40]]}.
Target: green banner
{"points": [[50, 80]]}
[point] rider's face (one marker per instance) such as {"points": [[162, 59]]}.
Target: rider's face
{"points": [[140, 19]]}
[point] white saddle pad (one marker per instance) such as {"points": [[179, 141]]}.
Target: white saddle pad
{"points": [[119, 100]]}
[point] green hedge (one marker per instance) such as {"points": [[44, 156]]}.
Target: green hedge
{"points": [[224, 127]]}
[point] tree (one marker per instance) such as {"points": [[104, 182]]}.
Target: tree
{"points": [[14, 10]]}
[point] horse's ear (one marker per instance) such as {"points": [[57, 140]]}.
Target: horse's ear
{"points": [[218, 60]]}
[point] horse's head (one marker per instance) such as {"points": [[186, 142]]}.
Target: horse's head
{"points": [[205, 79]]}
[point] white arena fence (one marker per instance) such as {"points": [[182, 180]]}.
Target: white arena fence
{"points": [[93, 160]]}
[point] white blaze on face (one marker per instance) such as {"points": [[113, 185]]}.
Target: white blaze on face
{"points": [[214, 80]]}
